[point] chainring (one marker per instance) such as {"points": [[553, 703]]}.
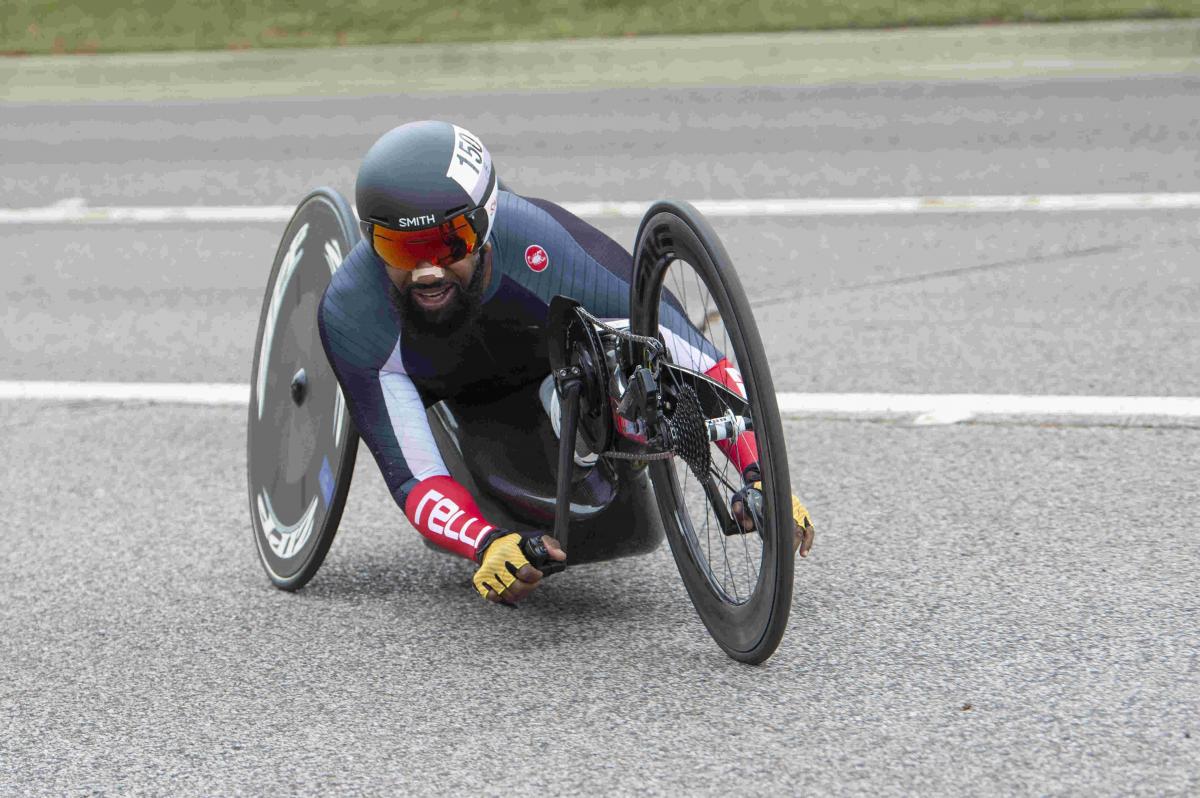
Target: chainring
{"points": [[575, 348]]}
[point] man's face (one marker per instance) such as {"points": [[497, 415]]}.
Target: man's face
{"points": [[441, 300]]}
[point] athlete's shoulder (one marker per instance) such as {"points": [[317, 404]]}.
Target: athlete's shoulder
{"points": [[358, 284], [356, 318], [534, 235]]}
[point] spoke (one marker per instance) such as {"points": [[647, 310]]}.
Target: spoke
{"points": [[744, 536], [708, 533], [729, 568], [750, 568], [722, 478], [680, 289], [689, 328], [762, 533], [702, 327]]}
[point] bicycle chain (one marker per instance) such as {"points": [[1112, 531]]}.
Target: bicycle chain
{"points": [[645, 458], [645, 340]]}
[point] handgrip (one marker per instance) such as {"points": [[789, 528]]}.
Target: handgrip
{"points": [[539, 557]]}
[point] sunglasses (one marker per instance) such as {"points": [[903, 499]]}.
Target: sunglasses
{"points": [[449, 242]]}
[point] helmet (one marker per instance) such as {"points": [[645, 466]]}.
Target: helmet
{"points": [[426, 192]]}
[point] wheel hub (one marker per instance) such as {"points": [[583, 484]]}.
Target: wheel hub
{"points": [[299, 387]]}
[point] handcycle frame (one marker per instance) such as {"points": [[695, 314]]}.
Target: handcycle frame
{"points": [[618, 389]]}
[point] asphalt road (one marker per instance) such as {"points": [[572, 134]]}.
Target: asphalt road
{"points": [[1006, 137], [991, 608], [1019, 303]]}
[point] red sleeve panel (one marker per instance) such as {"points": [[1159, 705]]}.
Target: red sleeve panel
{"points": [[442, 510], [742, 451]]}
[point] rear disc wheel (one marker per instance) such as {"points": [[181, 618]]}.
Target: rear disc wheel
{"points": [[300, 440]]}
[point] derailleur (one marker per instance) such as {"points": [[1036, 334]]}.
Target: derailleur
{"points": [[638, 412]]}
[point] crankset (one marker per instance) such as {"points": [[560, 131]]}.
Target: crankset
{"points": [[629, 402], [577, 353]]}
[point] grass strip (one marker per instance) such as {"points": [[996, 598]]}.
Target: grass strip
{"points": [[30, 27]]}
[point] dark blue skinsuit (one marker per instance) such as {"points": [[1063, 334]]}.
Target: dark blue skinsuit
{"points": [[389, 375]]}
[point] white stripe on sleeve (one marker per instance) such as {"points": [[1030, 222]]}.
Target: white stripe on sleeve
{"points": [[409, 421]]}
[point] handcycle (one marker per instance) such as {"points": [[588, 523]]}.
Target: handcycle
{"points": [[652, 416]]}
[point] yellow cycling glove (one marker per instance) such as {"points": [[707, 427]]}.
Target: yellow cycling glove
{"points": [[804, 527], [499, 563], [751, 497]]}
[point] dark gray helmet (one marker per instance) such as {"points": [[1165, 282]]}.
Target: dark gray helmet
{"points": [[424, 174]]}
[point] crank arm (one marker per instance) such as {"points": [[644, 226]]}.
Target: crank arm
{"points": [[569, 387]]}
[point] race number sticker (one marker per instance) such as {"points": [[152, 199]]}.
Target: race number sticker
{"points": [[470, 164]]}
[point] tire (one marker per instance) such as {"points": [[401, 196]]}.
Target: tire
{"points": [[300, 442], [747, 623]]}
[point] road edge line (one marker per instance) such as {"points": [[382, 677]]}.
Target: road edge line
{"points": [[926, 409]]}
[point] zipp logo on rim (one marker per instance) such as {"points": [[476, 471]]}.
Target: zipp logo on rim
{"points": [[536, 258]]}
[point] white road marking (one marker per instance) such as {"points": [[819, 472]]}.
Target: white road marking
{"points": [[875, 206], [928, 409], [924, 409], [168, 392], [77, 211]]}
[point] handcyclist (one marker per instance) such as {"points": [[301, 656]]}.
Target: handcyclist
{"points": [[446, 297]]}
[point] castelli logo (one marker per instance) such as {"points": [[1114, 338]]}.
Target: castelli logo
{"points": [[536, 258]]}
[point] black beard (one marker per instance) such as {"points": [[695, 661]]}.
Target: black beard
{"points": [[456, 318]]}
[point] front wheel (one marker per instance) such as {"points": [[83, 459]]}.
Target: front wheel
{"points": [[685, 292]]}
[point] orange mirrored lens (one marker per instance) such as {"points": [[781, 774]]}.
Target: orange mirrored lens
{"points": [[442, 245]]}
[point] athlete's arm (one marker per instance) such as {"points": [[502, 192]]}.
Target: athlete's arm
{"points": [[442, 510], [359, 335], [391, 419]]}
